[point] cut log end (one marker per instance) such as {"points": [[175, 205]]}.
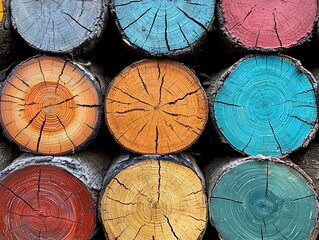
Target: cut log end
{"points": [[147, 201], [262, 199], [267, 26], [50, 106], [59, 26], [265, 105], [45, 202], [156, 106], [170, 28]]}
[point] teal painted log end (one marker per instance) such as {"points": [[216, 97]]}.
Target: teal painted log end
{"points": [[263, 200], [165, 27], [266, 105]]}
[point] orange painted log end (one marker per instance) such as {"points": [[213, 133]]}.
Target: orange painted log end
{"points": [[156, 106], [50, 105]]}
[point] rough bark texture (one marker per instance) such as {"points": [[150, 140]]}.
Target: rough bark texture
{"points": [[7, 39], [52, 197], [8, 152], [52, 105], [143, 199], [156, 107], [254, 198], [308, 160]]}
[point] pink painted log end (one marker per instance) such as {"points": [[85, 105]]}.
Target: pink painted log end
{"points": [[267, 25]]}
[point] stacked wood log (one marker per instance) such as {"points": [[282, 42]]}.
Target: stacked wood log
{"points": [[51, 105], [156, 107], [47, 197], [166, 126], [154, 197], [265, 104], [60, 26], [170, 28], [267, 26], [259, 198]]}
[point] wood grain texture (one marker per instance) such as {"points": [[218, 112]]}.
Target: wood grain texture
{"points": [[59, 26], [267, 25], [164, 28], [154, 197], [156, 106], [45, 202], [265, 105], [261, 198], [50, 105]]}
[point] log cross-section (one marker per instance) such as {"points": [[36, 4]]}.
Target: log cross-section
{"points": [[261, 199], [265, 105], [50, 105], [156, 106], [154, 197], [59, 25], [170, 28], [45, 202], [267, 25]]}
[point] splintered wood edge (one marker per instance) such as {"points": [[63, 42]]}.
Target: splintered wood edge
{"points": [[56, 87], [173, 100], [126, 162]]}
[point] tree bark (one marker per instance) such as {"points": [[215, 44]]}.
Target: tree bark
{"points": [[51, 197], [8, 152], [268, 27], [171, 29], [156, 107], [7, 39], [51, 105], [153, 197], [60, 26], [308, 160], [265, 105], [261, 198]]}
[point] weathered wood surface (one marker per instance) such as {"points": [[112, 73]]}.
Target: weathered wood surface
{"points": [[154, 197], [164, 28], [308, 160], [47, 197], [156, 106], [265, 105], [268, 26], [60, 26], [51, 105], [7, 38], [261, 198], [8, 152]]}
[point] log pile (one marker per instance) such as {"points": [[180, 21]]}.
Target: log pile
{"points": [[159, 120]]}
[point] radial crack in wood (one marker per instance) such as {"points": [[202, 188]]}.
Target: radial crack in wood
{"points": [[261, 199], [45, 202], [59, 25], [265, 105], [156, 106], [50, 105], [170, 28], [154, 197], [267, 26]]}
